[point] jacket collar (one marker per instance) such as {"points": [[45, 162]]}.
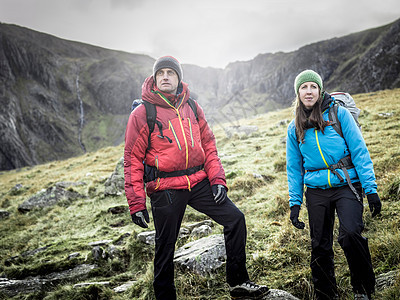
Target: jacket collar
{"points": [[326, 102], [152, 94]]}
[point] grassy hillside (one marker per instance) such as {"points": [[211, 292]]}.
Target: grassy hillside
{"points": [[278, 254]]}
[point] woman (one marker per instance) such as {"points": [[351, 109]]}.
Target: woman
{"points": [[313, 148]]}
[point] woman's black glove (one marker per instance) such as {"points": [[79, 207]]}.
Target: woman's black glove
{"points": [[375, 204], [294, 217], [140, 218]]}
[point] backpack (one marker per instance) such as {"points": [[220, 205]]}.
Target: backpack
{"points": [[345, 100], [151, 116]]}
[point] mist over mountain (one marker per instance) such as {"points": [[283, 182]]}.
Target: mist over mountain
{"points": [[61, 98]]}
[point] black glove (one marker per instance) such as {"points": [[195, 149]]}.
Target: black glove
{"points": [[375, 204], [219, 192], [140, 218], [294, 217]]}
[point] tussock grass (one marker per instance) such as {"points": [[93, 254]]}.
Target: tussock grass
{"points": [[278, 254]]}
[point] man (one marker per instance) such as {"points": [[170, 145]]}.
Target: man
{"points": [[182, 168]]}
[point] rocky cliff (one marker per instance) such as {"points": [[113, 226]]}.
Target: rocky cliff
{"points": [[361, 62], [61, 98]]}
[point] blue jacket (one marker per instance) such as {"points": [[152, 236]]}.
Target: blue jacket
{"points": [[320, 150]]}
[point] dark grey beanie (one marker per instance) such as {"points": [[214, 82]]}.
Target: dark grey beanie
{"points": [[168, 62]]}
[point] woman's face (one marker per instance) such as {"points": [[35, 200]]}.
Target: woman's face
{"points": [[309, 93]]}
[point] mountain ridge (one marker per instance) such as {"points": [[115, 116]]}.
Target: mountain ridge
{"points": [[61, 98]]}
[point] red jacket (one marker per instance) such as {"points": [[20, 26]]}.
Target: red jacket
{"points": [[193, 144]]}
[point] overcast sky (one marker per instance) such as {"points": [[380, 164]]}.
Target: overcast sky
{"points": [[202, 32]]}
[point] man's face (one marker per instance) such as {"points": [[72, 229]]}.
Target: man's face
{"points": [[167, 80]]}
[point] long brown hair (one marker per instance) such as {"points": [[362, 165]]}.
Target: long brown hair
{"points": [[307, 119]]}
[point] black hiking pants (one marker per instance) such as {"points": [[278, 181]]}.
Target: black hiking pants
{"points": [[321, 206], [168, 208]]}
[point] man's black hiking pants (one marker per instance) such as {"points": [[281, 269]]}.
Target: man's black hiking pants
{"points": [[321, 206], [168, 208]]}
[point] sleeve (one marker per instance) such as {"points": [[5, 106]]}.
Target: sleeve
{"points": [[212, 166], [294, 167], [136, 140], [358, 151]]}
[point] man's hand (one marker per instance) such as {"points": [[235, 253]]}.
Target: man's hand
{"points": [[140, 218], [294, 217], [219, 192], [375, 204]]}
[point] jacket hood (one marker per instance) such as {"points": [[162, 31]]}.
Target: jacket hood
{"points": [[152, 94]]}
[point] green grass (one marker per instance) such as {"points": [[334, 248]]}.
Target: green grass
{"points": [[278, 254]]}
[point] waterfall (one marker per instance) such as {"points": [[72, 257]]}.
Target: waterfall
{"points": [[81, 115]]}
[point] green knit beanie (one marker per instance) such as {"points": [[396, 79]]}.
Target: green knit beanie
{"points": [[306, 76]]}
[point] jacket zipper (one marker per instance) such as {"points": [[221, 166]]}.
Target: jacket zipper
{"points": [[323, 158], [180, 122]]}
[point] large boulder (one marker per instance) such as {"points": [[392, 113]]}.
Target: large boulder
{"points": [[115, 184], [202, 256], [12, 288], [50, 197]]}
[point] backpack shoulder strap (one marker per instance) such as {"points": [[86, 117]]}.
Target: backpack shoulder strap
{"points": [[193, 106], [333, 118], [151, 117]]}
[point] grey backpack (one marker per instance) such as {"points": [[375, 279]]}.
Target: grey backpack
{"points": [[345, 100]]}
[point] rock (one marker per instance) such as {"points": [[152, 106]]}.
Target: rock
{"points": [[122, 238], [17, 189], [386, 280], [98, 253], [49, 197], [35, 251], [201, 231], [385, 115], [279, 294], [202, 256], [73, 255], [205, 222], [115, 184], [28, 253], [118, 224], [4, 214], [67, 184], [120, 209], [84, 284], [257, 176], [282, 123], [100, 243], [147, 237], [183, 233], [124, 287], [113, 252], [12, 288]]}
